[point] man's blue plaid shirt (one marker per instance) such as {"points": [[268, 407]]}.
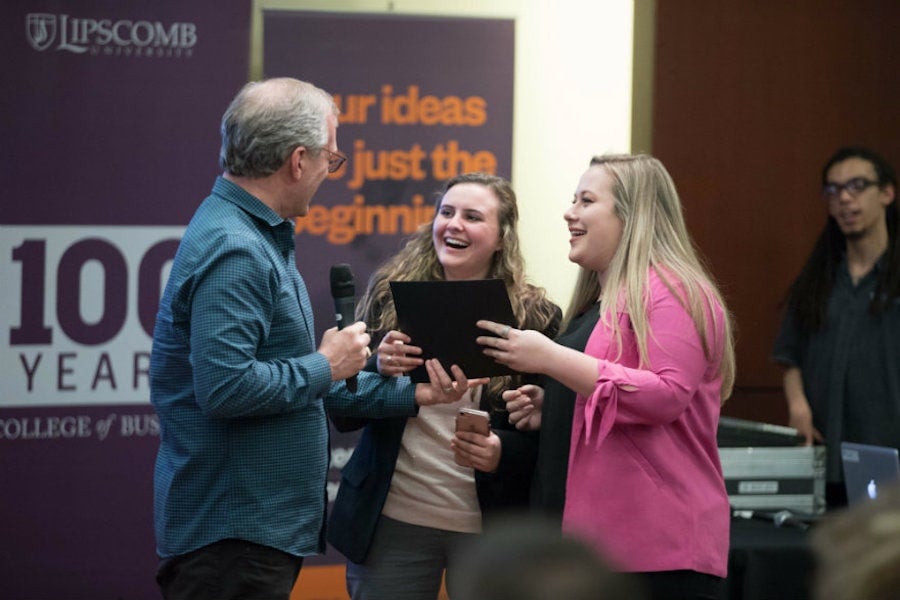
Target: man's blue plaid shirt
{"points": [[240, 390]]}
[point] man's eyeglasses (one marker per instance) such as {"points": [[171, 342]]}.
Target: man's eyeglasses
{"points": [[335, 160], [855, 186]]}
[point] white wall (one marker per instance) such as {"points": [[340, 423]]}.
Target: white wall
{"points": [[573, 98]]}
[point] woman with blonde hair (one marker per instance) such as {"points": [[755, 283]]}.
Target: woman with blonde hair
{"points": [[644, 481], [413, 488]]}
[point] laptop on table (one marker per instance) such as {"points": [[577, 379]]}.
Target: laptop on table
{"points": [[868, 469]]}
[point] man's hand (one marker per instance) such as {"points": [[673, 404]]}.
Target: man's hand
{"points": [[800, 415], [346, 350], [800, 418]]}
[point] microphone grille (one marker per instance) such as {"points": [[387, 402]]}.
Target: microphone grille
{"points": [[342, 285]]}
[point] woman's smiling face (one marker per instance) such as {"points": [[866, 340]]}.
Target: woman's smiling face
{"points": [[466, 231], [595, 228]]}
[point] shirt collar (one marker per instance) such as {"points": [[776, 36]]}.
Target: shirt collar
{"points": [[247, 202], [282, 229], [844, 269]]}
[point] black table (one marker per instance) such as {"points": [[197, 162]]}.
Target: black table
{"points": [[768, 563]]}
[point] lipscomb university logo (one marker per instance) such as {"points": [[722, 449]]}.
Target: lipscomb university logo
{"points": [[41, 30], [111, 37]]}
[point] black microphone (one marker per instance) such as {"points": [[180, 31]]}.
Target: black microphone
{"points": [[343, 291]]}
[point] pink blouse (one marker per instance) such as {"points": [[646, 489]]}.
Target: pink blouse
{"points": [[645, 484]]}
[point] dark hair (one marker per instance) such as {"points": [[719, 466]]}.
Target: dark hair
{"points": [[808, 295], [883, 169], [523, 557]]}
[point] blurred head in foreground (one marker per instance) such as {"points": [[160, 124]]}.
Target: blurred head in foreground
{"points": [[526, 558]]}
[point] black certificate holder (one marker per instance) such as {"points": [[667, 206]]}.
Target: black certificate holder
{"points": [[440, 317]]}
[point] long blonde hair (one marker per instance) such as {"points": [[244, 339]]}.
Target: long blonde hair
{"points": [[417, 260], [654, 236]]}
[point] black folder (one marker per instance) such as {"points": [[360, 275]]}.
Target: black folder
{"points": [[440, 316]]}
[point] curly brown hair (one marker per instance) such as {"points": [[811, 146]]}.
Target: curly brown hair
{"points": [[418, 261]]}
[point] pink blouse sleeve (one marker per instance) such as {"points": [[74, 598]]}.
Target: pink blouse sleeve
{"points": [[660, 392]]}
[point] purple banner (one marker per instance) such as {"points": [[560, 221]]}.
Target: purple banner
{"points": [[110, 129], [422, 99]]}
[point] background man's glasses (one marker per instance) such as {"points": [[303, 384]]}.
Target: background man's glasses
{"points": [[855, 186], [335, 160]]}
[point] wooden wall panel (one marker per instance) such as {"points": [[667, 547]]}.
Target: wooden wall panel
{"points": [[750, 97]]}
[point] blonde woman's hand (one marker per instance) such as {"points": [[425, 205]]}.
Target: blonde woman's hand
{"points": [[523, 350]]}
